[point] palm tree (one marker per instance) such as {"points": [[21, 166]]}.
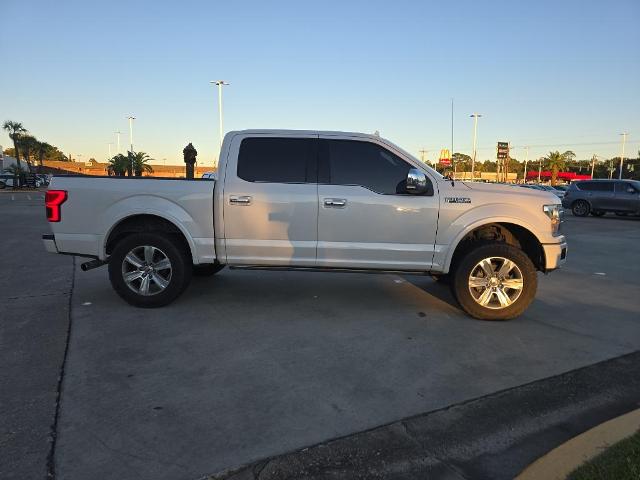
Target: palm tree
{"points": [[43, 147], [138, 161], [118, 165], [28, 144], [15, 129], [557, 162]]}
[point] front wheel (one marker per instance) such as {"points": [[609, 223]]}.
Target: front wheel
{"points": [[149, 269], [495, 282], [580, 208]]}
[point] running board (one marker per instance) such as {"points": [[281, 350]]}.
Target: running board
{"points": [[325, 269]]}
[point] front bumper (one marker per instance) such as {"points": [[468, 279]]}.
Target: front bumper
{"points": [[50, 243], [555, 255]]}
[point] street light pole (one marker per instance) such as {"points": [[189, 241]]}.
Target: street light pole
{"points": [[131, 119], [475, 117], [624, 140], [526, 159], [118, 137], [220, 84], [539, 170]]}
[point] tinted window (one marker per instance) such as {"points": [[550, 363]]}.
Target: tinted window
{"points": [[596, 186], [277, 160], [367, 164], [622, 187]]}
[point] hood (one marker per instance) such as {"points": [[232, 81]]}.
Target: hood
{"points": [[513, 191]]}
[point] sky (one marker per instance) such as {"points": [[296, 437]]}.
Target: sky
{"points": [[554, 75]]}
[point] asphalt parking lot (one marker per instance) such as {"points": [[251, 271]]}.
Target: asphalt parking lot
{"points": [[246, 365]]}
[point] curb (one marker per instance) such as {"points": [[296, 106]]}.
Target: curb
{"points": [[561, 461]]}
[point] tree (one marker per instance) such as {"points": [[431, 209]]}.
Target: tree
{"points": [[28, 144], [461, 161], [556, 161], [138, 162], [15, 130], [43, 147], [118, 165]]}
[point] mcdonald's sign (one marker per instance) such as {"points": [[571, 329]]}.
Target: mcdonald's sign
{"points": [[445, 157]]}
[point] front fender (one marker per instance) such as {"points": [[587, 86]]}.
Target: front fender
{"points": [[460, 222]]}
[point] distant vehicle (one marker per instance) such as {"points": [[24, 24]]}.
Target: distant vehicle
{"points": [[210, 175], [555, 191], [562, 188], [310, 200], [597, 197], [6, 180], [42, 179]]}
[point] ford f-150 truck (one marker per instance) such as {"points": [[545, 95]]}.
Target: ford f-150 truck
{"points": [[311, 200]]}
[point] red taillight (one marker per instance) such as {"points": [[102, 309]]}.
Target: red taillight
{"points": [[53, 199]]}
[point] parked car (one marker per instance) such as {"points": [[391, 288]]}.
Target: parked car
{"points": [[544, 188], [210, 175], [309, 200], [597, 197], [7, 180]]}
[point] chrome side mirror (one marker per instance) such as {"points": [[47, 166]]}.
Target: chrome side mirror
{"points": [[417, 183]]}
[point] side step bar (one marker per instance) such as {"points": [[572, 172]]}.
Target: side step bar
{"points": [[326, 269]]}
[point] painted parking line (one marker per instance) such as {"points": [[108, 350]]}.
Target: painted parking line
{"points": [[13, 197], [28, 197]]}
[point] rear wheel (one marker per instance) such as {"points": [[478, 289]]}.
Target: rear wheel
{"points": [[149, 269], [580, 208], [495, 282]]}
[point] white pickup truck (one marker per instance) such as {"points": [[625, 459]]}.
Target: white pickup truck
{"points": [[311, 200]]}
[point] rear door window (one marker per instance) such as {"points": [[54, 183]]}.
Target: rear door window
{"points": [[278, 160], [596, 186]]}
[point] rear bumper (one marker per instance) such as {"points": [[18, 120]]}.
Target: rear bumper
{"points": [[555, 255], [49, 241]]}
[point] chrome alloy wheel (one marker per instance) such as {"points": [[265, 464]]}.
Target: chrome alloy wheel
{"points": [[146, 270], [495, 282]]}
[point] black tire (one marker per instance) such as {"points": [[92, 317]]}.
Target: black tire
{"points": [[580, 208], [526, 272], [207, 269], [598, 213], [176, 282]]}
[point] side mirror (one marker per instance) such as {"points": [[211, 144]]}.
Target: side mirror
{"points": [[417, 183]]}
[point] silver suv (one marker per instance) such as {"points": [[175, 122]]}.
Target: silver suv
{"points": [[597, 197]]}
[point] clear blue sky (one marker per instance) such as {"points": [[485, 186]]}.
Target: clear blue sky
{"points": [[551, 74]]}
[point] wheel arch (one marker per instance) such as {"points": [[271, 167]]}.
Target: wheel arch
{"points": [[146, 222], [506, 232]]}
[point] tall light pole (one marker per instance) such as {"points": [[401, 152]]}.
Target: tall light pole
{"points": [[475, 117], [118, 137], [526, 159], [539, 169], [220, 84], [624, 140], [131, 119]]}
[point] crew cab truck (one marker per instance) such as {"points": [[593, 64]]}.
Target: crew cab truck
{"points": [[311, 200]]}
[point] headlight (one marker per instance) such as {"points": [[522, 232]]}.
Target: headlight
{"points": [[555, 214]]}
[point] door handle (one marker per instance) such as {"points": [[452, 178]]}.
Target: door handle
{"points": [[240, 200], [335, 202]]}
